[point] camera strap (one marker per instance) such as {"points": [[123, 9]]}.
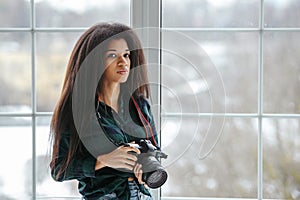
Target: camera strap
{"points": [[147, 126]]}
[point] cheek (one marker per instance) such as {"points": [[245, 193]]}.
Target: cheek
{"points": [[129, 65], [129, 62], [108, 62]]}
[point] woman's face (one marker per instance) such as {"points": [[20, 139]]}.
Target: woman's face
{"points": [[117, 61]]}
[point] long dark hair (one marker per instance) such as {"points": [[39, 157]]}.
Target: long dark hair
{"points": [[62, 119]]}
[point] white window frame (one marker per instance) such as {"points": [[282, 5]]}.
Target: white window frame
{"points": [[148, 13], [260, 115], [146, 20]]}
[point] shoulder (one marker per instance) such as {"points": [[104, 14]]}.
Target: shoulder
{"points": [[142, 101], [143, 105]]}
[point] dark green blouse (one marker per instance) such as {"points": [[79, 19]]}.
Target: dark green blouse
{"points": [[125, 126]]}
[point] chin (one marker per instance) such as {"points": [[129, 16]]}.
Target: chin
{"points": [[123, 80]]}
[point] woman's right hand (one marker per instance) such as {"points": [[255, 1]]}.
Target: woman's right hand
{"points": [[118, 158]]}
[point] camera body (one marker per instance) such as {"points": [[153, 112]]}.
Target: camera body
{"points": [[154, 175]]}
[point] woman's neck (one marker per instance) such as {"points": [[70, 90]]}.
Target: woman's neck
{"points": [[110, 95]]}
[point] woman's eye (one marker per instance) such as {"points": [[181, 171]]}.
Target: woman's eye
{"points": [[111, 55], [126, 55]]}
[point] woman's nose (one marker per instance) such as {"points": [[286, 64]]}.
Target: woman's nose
{"points": [[122, 61]]}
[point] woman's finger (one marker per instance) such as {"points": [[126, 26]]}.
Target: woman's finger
{"points": [[136, 169], [133, 149], [138, 173]]}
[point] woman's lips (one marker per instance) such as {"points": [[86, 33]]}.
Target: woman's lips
{"points": [[123, 71]]}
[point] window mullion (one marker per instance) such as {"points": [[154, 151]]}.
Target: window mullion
{"points": [[146, 21], [33, 98], [260, 105]]}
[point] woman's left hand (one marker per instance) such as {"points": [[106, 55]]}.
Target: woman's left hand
{"points": [[138, 172]]}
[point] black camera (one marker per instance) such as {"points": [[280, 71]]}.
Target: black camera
{"points": [[154, 175]]}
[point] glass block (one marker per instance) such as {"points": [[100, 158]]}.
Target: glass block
{"points": [[206, 157], [14, 14], [16, 158], [15, 76], [209, 72], [80, 13], [281, 13], [281, 158], [281, 72], [53, 51], [210, 13]]}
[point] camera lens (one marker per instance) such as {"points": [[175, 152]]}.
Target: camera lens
{"points": [[157, 178]]}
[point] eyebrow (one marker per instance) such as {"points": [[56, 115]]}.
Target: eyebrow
{"points": [[115, 50]]}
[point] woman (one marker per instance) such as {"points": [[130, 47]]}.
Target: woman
{"points": [[123, 112]]}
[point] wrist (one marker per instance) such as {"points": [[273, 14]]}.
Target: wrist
{"points": [[99, 163]]}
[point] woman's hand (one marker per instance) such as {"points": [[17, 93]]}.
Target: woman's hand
{"points": [[118, 158], [138, 172]]}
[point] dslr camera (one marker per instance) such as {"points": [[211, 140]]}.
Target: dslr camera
{"points": [[154, 175]]}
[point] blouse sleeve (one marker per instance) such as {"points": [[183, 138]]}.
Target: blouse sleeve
{"points": [[81, 165]]}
